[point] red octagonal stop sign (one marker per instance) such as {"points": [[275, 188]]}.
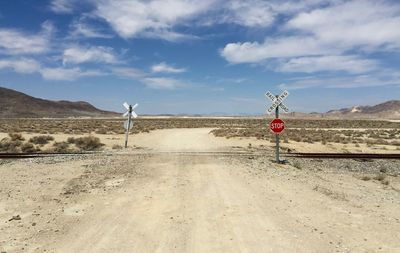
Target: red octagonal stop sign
{"points": [[277, 126]]}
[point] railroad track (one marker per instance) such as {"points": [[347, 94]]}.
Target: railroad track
{"points": [[34, 155], [344, 155], [218, 153]]}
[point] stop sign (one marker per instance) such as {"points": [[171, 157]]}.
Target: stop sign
{"points": [[277, 126]]}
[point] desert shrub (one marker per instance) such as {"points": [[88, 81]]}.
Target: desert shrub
{"points": [[297, 165], [116, 146], [385, 182], [71, 140], [380, 177], [101, 131], [28, 148], [41, 139], [88, 143], [365, 178], [395, 143], [16, 137], [61, 147], [8, 145]]}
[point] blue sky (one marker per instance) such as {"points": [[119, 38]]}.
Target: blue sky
{"points": [[202, 56]]}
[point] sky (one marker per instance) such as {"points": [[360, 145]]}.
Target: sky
{"points": [[202, 56]]}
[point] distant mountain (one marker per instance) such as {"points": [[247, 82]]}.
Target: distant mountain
{"points": [[14, 104], [389, 109]]}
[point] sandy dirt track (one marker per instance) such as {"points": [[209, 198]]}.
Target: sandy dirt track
{"points": [[174, 200]]}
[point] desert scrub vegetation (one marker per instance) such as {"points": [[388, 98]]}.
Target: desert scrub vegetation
{"points": [[14, 143], [29, 148], [87, 143], [115, 125], [16, 137], [8, 145], [297, 165], [117, 147], [323, 136], [61, 147], [370, 132], [41, 139]]}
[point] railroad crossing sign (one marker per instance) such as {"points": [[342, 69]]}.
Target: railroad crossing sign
{"points": [[277, 126], [277, 101], [129, 123]]}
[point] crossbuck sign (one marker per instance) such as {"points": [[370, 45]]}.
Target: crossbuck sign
{"points": [[277, 125], [277, 101], [129, 123]]}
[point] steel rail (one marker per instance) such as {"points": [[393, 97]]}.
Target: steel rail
{"points": [[33, 155], [215, 153], [345, 155]]}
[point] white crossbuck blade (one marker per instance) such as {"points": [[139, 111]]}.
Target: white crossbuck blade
{"points": [[134, 114], [277, 101], [126, 105]]}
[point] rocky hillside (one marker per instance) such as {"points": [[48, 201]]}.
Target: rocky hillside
{"points": [[14, 104], [389, 109]]}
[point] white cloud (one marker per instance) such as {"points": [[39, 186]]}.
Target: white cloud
{"points": [[162, 83], [333, 36], [254, 52], [168, 35], [163, 67], [22, 65], [30, 66], [16, 42], [79, 28], [67, 74], [357, 81], [159, 18], [348, 63], [62, 6], [353, 23], [78, 55], [291, 7], [252, 13], [131, 18], [128, 72]]}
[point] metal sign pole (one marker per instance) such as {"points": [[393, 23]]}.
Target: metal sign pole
{"points": [[277, 135], [129, 126]]}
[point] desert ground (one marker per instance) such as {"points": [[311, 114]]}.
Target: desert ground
{"points": [[188, 189]]}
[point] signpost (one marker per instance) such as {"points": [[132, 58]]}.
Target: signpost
{"points": [[277, 125], [129, 123]]}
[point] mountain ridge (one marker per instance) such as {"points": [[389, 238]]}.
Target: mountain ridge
{"points": [[15, 104], [389, 108]]}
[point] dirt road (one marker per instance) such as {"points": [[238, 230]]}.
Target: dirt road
{"points": [[181, 201]]}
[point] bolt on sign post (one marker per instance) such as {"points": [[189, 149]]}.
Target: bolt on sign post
{"points": [[128, 124], [277, 125]]}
